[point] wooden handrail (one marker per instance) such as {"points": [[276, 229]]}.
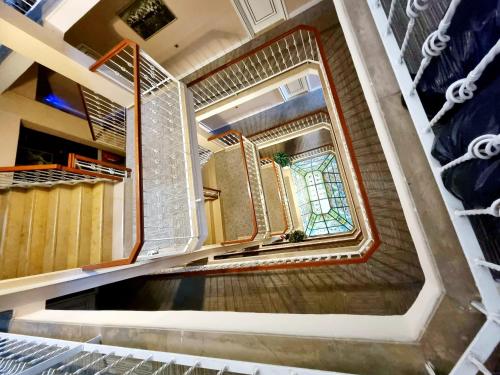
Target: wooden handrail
{"points": [[289, 122], [255, 229], [281, 195], [36, 167], [113, 52], [343, 124], [139, 201]]}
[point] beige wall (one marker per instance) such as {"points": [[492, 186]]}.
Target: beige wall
{"points": [[213, 211], [9, 128]]}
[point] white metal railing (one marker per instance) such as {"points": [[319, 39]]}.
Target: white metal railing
{"points": [[204, 155], [278, 134], [107, 120], [24, 6], [46, 176], [30, 355], [99, 168], [313, 152], [488, 337], [273, 58]]}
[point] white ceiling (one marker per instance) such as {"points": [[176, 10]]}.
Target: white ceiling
{"points": [[203, 31]]}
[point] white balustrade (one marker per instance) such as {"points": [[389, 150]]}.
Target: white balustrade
{"points": [[61, 357], [483, 147], [288, 52], [291, 129]]}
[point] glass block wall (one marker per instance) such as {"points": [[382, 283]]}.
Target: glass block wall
{"points": [[321, 196]]}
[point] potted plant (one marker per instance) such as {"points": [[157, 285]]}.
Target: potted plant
{"points": [[282, 158], [296, 236]]}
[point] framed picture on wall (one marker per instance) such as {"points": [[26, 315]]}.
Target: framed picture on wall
{"points": [[147, 17]]}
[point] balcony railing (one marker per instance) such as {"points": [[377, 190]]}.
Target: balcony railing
{"points": [[286, 52], [80, 169], [166, 191], [308, 123], [20, 354], [313, 152], [453, 137]]}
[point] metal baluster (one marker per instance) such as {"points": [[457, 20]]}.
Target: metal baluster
{"points": [[238, 78], [390, 17], [128, 372], [463, 89], [121, 359], [296, 48], [281, 53], [303, 44], [483, 147], [419, 5], [436, 42], [312, 46], [260, 63], [163, 367], [78, 358], [101, 358], [288, 50], [229, 78], [493, 210], [190, 370], [255, 68], [479, 365]]}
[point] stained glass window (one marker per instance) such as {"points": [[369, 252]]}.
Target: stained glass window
{"points": [[321, 196]]}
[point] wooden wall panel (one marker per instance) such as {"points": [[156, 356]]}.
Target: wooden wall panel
{"points": [[50, 229]]}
